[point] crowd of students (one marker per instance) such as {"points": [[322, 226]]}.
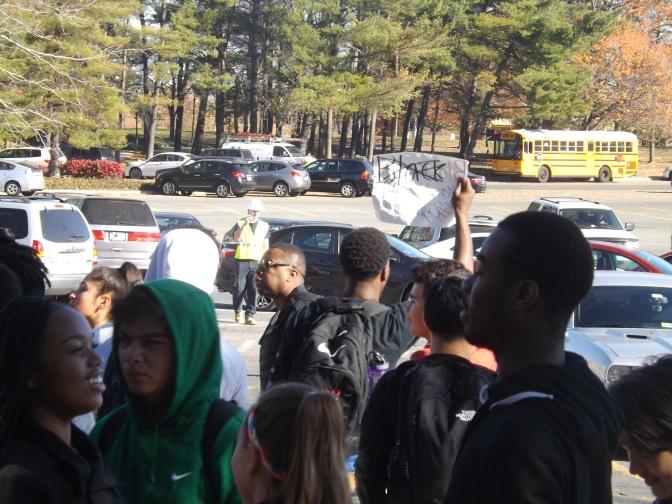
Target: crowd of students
{"points": [[493, 410]]}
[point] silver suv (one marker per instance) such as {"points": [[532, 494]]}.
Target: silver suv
{"points": [[124, 229], [58, 232]]}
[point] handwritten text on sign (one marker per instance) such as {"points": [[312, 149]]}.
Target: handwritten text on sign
{"points": [[415, 188]]}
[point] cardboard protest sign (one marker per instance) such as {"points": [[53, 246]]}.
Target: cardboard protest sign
{"points": [[415, 188]]}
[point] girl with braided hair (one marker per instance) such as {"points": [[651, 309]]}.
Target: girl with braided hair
{"points": [[49, 374], [290, 449]]}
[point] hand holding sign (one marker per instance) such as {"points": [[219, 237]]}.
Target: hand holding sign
{"points": [[415, 188]]}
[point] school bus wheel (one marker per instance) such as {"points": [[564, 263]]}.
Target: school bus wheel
{"points": [[604, 175], [544, 174]]}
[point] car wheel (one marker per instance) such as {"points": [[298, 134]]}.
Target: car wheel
{"points": [[604, 175], [265, 303], [280, 189], [12, 188], [135, 173], [168, 187], [222, 190], [544, 174], [348, 190], [240, 194], [186, 193]]}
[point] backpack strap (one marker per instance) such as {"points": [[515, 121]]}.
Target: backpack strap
{"points": [[219, 413], [111, 428]]}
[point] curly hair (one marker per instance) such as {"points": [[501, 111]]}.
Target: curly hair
{"points": [[364, 253], [26, 265], [426, 272]]}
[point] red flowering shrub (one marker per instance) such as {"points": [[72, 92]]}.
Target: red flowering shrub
{"points": [[92, 169]]}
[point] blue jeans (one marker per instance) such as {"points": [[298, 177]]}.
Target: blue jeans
{"points": [[246, 287]]}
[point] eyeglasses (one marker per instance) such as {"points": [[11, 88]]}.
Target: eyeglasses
{"points": [[268, 264]]}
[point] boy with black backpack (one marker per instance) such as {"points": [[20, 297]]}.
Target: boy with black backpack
{"points": [[418, 413], [173, 440]]}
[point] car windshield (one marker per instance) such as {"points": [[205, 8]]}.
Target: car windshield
{"points": [[247, 154], [656, 261], [416, 234], [592, 218], [118, 212], [405, 249], [64, 226], [626, 306], [293, 150]]}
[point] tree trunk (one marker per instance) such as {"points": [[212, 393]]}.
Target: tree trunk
{"points": [[179, 121], [330, 120], [54, 143], [354, 137], [652, 149], [393, 133], [342, 144], [372, 135], [124, 59], [200, 123], [435, 119], [151, 131], [220, 117], [407, 123], [253, 56], [422, 117], [311, 139]]}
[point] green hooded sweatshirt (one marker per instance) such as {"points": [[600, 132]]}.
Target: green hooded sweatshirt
{"points": [[162, 463]]}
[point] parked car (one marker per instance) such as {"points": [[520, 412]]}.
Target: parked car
{"points": [[445, 249], [149, 167], [91, 153], [625, 319], [232, 154], [124, 229], [667, 173], [614, 257], [321, 243], [38, 157], [422, 237], [477, 182], [268, 149], [17, 178], [667, 256], [174, 220], [282, 178], [58, 232], [597, 222], [207, 175], [350, 177]]}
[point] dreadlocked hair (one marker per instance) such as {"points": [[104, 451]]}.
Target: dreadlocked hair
{"points": [[26, 265], [22, 324]]}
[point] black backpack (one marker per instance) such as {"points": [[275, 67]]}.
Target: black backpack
{"points": [[437, 400], [219, 413], [334, 352]]}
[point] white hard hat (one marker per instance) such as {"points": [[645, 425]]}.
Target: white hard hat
{"points": [[255, 204]]}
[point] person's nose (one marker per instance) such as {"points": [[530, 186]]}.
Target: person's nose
{"points": [[72, 296], [95, 360]]}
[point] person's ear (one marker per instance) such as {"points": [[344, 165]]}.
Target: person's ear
{"points": [[385, 273], [104, 302], [293, 274], [525, 294]]}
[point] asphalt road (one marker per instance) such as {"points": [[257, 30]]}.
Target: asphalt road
{"points": [[646, 203]]}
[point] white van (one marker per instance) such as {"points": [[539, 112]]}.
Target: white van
{"points": [[277, 151]]}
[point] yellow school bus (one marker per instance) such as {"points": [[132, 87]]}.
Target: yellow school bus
{"points": [[553, 154]]}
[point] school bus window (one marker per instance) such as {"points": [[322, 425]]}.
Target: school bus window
{"points": [[628, 146], [590, 146], [537, 145], [547, 146], [579, 146], [563, 146], [571, 146], [612, 146], [554, 146], [621, 146]]}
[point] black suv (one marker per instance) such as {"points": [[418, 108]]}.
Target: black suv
{"points": [[207, 175], [350, 177]]}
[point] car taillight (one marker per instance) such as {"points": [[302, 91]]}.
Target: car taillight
{"points": [[37, 247], [98, 234], [364, 175], [295, 173], [236, 173], [144, 237]]}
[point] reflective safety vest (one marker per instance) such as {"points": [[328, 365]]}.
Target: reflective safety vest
{"points": [[251, 246]]}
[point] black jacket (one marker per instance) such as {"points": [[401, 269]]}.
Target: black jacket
{"points": [[269, 344], [546, 434], [37, 467], [413, 427]]}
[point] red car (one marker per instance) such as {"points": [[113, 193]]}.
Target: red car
{"points": [[613, 257], [667, 256]]}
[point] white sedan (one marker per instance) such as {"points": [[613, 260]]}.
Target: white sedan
{"points": [[17, 178], [624, 321], [148, 168]]}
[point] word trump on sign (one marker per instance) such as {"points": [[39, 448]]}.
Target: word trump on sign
{"points": [[415, 188]]}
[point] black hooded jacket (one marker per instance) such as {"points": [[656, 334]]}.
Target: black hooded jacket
{"points": [[546, 434], [39, 467]]}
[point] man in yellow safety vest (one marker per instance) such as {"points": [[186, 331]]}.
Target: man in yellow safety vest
{"points": [[251, 233]]}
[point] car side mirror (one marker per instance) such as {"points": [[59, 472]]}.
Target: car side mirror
{"points": [[629, 226]]}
